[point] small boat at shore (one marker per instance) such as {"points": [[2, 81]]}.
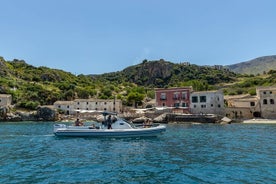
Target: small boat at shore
{"points": [[116, 127]]}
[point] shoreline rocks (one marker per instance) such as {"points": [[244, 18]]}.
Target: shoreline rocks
{"points": [[41, 114]]}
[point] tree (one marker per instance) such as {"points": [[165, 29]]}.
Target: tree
{"points": [[135, 98]]}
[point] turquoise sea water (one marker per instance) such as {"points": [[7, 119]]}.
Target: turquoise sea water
{"points": [[235, 153]]}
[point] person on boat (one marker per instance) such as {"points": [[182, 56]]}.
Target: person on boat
{"points": [[147, 123], [109, 122], [78, 122]]}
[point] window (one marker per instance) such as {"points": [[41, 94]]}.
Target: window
{"points": [[163, 96], [203, 106], [87, 103], [163, 104], [252, 104], [194, 106], [68, 106], [78, 103], [175, 96], [194, 99], [184, 105], [219, 106], [176, 104], [184, 95], [264, 92], [202, 98], [270, 92], [265, 101], [104, 103], [96, 103], [271, 101], [58, 106], [212, 105]]}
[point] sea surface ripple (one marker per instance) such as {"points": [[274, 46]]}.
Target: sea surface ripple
{"points": [[193, 153]]}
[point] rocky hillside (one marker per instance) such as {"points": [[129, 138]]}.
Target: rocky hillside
{"points": [[256, 66], [165, 74]]}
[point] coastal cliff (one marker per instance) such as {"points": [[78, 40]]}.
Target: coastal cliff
{"points": [[41, 114]]}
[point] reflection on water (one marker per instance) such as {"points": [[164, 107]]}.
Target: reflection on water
{"points": [[194, 153]]}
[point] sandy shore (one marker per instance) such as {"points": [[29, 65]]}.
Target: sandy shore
{"points": [[264, 121]]}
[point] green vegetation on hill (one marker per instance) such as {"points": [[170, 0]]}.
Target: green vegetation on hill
{"points": [[33, 86]]}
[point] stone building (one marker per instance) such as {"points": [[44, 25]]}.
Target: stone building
{"points": [[267, 97], [110, 105], [207, 102], [5, 100], [67, 106], [5, 103], [73, 107], [242, 107]]}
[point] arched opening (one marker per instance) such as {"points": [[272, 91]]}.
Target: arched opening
{"points": [[257, 114]]}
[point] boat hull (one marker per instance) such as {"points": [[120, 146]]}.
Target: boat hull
{"points": [[86, 132]]}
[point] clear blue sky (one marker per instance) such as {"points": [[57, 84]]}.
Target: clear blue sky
{"points": [[99, 36]]}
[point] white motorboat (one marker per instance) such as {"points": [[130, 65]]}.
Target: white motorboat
{"points": [[115, 128]]}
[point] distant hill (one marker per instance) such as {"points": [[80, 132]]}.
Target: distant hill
{"points": [[259, 65]]}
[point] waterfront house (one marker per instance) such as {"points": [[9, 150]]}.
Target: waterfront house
{"points": [[66, 106], [267, 97], [78, 105], [242, 106], [207, 102], [111, 105], [177, 98]]}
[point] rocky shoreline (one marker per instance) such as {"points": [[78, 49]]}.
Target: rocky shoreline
{"points": [[50, 114], [41, 114]]}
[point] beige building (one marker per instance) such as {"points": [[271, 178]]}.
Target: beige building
{"points": [[72, 107], [5, 100], [207, 102], [267, 97], [67, 106], [98, 104], [242, 106]]}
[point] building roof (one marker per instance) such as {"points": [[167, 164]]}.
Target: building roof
{"points": [[64, 103], [230, 97], [174, 88], [266, 88], [5, 95], [96, 100], [204, 92]]}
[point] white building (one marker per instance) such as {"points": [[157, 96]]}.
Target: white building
{"points": [[207, 102], [71, 107]]}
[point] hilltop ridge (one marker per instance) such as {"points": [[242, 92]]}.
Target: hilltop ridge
{"points": [[32, 86], [255, 66]]}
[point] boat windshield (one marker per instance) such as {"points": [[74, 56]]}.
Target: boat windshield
{"points": [[130, 123]]}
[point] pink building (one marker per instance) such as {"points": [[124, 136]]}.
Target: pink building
{"points": [[174, 97]]}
